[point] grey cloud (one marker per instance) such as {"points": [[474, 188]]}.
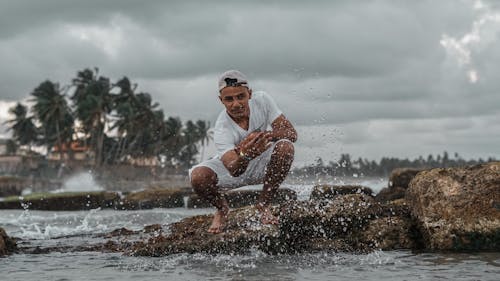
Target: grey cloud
{"points": [[349, 64], [320, 39]]}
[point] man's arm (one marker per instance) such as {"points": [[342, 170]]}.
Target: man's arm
{"points": [[236, 160], [282, 129]]}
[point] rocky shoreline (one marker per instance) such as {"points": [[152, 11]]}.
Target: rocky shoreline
{"points": [[150, 198], [453, 209]]}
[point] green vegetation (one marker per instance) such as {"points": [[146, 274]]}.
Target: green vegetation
{"points": [[112, 121], [363, 167]]}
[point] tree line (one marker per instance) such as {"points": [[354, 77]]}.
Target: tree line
{"points": [[346, 166], [112, 119]]}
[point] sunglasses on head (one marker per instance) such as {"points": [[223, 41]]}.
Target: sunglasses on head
{"points": [[231, 82]]}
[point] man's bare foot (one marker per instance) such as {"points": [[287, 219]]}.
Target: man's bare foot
{"points": [[266, 216], [219, 221]]}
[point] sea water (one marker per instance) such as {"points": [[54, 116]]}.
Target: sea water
{"points": [[53, 229]]}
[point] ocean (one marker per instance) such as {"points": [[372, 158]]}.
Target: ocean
{"points": [[63, 228]]}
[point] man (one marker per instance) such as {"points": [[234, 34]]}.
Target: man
{"points": [[254, 142]]}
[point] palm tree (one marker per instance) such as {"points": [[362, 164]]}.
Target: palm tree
{"points": [[205, 135], [172, 142], [93, 101], [190, 136], [23, 129], [146, 127], [140, 125], [52, 111]]}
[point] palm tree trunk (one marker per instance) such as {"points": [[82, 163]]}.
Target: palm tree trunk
{"points": [[100, 141], [202, 152], [59, 143]]}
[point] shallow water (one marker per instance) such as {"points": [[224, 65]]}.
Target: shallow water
{"points": [[48, 228], [396, 265], [45, 229]]}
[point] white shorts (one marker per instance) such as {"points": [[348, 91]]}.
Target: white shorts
{"points": [[254, 173]]}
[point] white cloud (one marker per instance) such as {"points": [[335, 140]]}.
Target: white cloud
{"points": [[483, 32]]}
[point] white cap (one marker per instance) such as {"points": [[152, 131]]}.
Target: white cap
{"points": [[232, 78]]}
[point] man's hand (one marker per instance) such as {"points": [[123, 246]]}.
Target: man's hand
{"points": [[255, 144]]}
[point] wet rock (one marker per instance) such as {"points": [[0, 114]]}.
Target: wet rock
{"points": [[120, 232], [458, 208], [402, 177], [240, 198], [391, 233], [242, 233], [121, 240], [390, 194], [7, 244], [346, 223], [107, 247], [67, 201], [153, 228], [399, 181], [326, 191], [341, 216], [155, 198]]}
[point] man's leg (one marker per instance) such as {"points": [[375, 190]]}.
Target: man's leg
{"points": [[276, 172], [204, 183]]}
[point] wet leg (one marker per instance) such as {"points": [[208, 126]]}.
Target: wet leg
{"points": [[204, 183], [276, 172]]}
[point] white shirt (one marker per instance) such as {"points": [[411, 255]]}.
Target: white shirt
{"points": [[227, 133]]}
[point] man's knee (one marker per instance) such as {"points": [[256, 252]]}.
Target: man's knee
{"points": [[284, 148], [202, 177]]}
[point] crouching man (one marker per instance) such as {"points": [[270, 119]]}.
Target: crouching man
{"points": [[254, 142]]}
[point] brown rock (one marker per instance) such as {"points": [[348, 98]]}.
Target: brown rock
{"points": [[120, 232], [67, 201], [458, 208], [401, 177], [326, 191], [243, 232], [305, 226], [156, 198], [399, 180], [7, 244], [390, 194], [391, 233], [240, 198], [152, 228], [328, 218]]}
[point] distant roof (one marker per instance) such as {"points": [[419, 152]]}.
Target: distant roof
{"points": [[75, 146]]}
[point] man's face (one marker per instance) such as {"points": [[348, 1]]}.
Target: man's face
{"points": [[235, 99]]}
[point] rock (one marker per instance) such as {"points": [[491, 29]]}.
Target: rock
{"points": [[458, 208], [7, 244], [399, 180], [401, 177], [152, 228], [390, 194], [325, 191], [391, 233], [155, 198], [243, 232], [67, 201], [352, 223], [120, 232], [240, 198]]}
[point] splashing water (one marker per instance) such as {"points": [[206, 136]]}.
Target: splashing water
{"points": [[80, 182]]}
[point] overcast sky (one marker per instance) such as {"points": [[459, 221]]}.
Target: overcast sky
{"points": [[369, 78]]}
